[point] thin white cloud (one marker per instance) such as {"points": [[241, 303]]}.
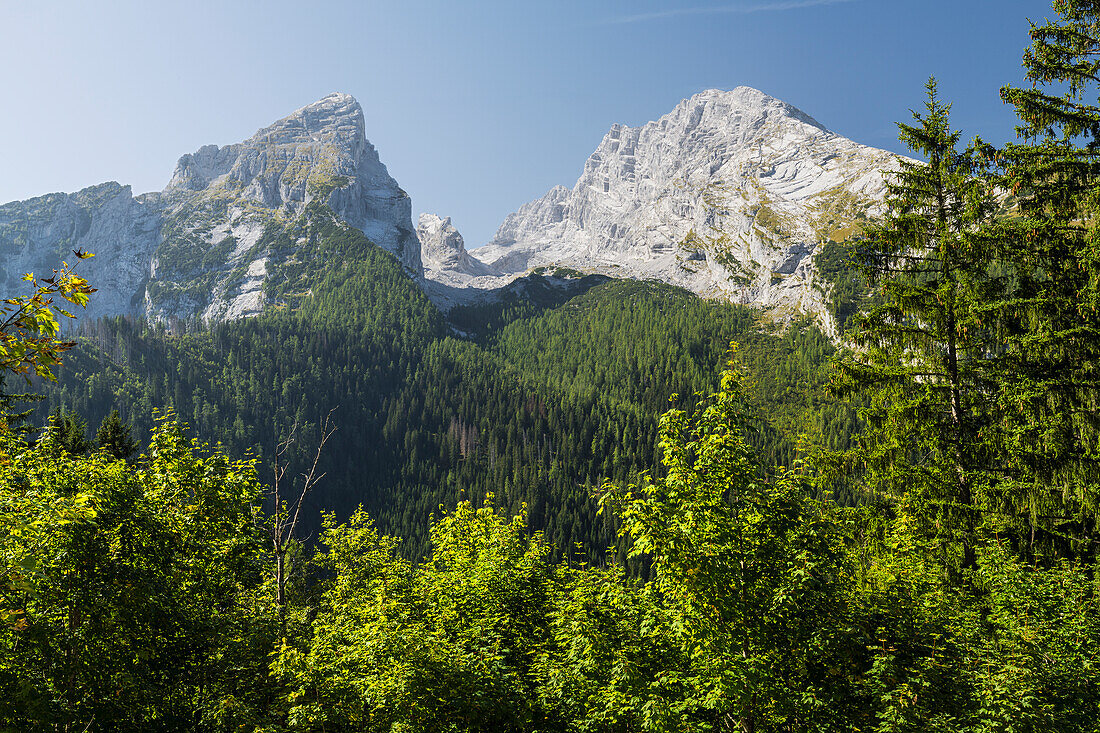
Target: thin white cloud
{"points": [[764, 7]]}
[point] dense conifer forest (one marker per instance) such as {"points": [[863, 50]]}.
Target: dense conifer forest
{"points": [[511, 529]]}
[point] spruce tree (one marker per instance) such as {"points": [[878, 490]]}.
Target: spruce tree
{"points": [[70, 432], [1049, 423], [923, 351], [114, 437]]}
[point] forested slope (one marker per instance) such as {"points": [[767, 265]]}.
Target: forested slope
{"points": [[548, 397]]}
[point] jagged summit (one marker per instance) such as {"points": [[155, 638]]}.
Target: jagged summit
{"points": [[449, 270], [332, 128], [443, 249], [336, 118], [318, 152], [750, 100]]}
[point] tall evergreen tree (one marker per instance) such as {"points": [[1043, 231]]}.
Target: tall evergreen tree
{"points": [[924, 350], [70, 432], [1051, 392]]}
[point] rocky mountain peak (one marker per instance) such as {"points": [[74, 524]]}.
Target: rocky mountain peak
{"points": [[750, 103], [440, 242], [322, 141], [730, 195], [318, 152], [713, 124], [336, 119]]}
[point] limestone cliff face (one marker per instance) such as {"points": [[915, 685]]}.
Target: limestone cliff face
{"points": [[451, 275], [319, 152], [729, 195], [205, 245], [443, 249]]}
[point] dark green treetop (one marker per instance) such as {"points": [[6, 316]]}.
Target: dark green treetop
{"points": [[114, 437]]}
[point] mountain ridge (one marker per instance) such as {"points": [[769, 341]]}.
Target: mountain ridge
{"points": [[728, 195]]}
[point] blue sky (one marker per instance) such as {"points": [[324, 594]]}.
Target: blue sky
{"points": [[475, 107]]}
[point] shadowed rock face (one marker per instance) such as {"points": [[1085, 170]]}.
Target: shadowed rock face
{"points": [[199, 247], [38, 234], [728, 195]]}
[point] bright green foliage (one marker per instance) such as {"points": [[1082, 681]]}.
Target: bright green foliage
{"points": [[607, 667], [28, 513], [144, 613], [137, 595], [450, 644], [29, 344], [483, 635], [1013, 649], [486, 587], [750, 572], [342, 680], [766, 610], [29, 324], [1036, 662]]}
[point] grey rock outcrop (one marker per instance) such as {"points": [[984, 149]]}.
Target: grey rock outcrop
{"points": [[451, 275], [38, 234], [443, 250]]}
